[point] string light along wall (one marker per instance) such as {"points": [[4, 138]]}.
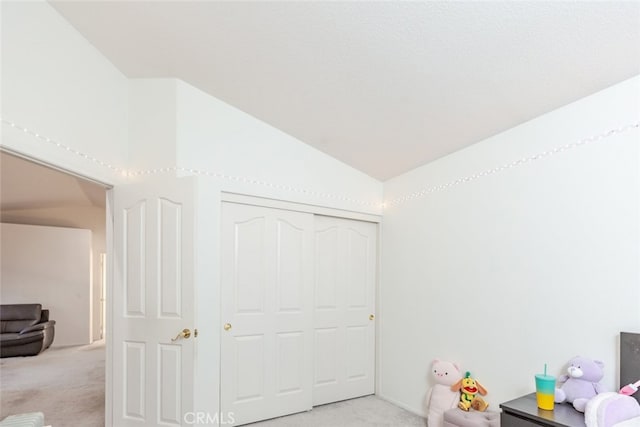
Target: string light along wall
{"points": [[395, 202], [506, 166], [173, 169], [62, 146]]}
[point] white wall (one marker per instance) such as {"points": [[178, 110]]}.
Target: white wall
{"points": [[152, 124], [173, 124], [529, 265], [230, 151], [87, 217], [50, 266], [560, 231], [83, 102], [258, 159], [249, 157], [56, 84]]}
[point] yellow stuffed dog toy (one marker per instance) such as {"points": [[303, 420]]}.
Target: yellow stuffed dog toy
{"points": [[469, 390]]}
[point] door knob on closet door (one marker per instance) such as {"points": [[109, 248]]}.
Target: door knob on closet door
{"points": [[227, 326], [371, 317], [185, 333]]}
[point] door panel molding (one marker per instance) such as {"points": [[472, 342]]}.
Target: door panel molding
{"points": [[345, 298], [263, 374], [266, 307], [153, 298]]}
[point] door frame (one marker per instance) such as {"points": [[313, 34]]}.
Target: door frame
{"points": [[264, 202], [108, 186], [108, 362], [230, 197]]}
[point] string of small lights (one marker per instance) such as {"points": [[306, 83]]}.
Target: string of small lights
{"points": [[397, 201], [506, 166]]}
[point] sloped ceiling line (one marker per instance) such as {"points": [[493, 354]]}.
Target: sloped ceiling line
{"points": [[383, 86]]}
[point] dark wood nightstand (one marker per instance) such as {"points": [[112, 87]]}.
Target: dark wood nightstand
{"points": [[524, 412]]}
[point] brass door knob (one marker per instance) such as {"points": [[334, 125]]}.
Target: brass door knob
{"points": [[185, 333], [227, 326], [371, 317]]}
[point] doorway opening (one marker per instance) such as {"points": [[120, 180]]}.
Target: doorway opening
{"points": [[38, 197]]}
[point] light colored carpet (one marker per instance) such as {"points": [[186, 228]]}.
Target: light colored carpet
{"points": [[66, 384], [369, 411]]}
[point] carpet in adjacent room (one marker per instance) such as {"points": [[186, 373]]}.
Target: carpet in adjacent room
{"points": [[66, 384]]}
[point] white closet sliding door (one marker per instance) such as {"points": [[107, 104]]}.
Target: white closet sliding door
{"points": [[298, 298], [267, 296], [344, 302]]}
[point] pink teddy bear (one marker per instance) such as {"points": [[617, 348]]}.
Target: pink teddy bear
{"points": [[440, 397]]}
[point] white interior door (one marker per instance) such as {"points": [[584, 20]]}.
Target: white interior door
{"points": [[344, 302], [153, 301], [267, 279]]}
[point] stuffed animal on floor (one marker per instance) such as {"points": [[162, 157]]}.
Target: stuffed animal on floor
{"points": [[469, 390], [440, 397], [581, 383]]}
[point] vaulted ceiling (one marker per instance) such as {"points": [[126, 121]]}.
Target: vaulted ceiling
{"points": [[383, 86]]}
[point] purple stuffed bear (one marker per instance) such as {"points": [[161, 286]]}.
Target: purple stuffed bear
{"points": [[581, 383]]}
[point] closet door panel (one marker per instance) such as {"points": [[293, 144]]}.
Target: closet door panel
{"points": [[344, 318], [267, 308]]}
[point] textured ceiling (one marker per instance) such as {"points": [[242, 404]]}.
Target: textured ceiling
{"points": [[382, 86]]}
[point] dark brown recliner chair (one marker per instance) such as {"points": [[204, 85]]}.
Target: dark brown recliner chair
{"points": [[25, 330]]}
